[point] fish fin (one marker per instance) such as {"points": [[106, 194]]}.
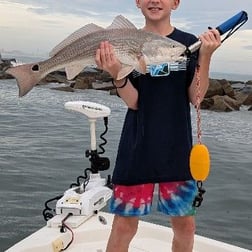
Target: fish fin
{"points": [[120, 22], [83, 31], [27, 76], [74, 69], [126, 70], [142, 67]]}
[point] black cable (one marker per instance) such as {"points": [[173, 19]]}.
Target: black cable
{"points": [[85, 178], [64, 225], [48, 212], [102, 136]]}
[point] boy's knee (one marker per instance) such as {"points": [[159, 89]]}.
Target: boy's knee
{"points": [[183, 226], [125, 225]]}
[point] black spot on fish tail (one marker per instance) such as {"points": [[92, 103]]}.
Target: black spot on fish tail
{"points": [[35, 68]]}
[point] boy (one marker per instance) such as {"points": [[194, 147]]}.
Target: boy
{"points": [[156, 138]]}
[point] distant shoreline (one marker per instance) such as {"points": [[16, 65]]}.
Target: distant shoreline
{"points": [[231, 76]]}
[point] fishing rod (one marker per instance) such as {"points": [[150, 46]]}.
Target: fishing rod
{"points": [[231, 26]]}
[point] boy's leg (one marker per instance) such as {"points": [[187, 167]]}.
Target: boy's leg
{"points": [[175, 200], [128, 203], [123, 231], [183, 229]]}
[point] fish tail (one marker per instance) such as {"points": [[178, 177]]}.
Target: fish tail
{"points": [[27, 76]]}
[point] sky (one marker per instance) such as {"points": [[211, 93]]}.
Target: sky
{"points": [[37, 26]]}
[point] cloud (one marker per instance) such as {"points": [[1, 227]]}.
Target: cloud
{"points": [[52, 21], [196, 17], [82, 8]]}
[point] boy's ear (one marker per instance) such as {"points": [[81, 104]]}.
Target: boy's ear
{"points": [[175, 4]]}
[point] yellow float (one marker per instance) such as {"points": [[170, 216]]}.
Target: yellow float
{"points": [[199, 162]]}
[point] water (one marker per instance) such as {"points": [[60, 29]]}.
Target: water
{"points": [[42, 149]]}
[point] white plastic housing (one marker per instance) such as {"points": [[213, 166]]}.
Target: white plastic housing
{"points": [[91, 109]]}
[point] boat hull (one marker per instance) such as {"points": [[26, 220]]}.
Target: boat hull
{"points": [[93, 233]]}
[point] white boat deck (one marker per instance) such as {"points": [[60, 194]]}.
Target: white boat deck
{"points": [[93, 234]]}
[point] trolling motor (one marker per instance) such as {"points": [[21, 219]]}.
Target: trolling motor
{"points": [[85, 199]]}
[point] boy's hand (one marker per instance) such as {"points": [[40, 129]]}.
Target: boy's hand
{"points": [[106, 59], [210, 42]]}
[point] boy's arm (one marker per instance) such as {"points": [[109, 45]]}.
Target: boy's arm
{"points": [[210, 42], [128, 93], [106, 60]]}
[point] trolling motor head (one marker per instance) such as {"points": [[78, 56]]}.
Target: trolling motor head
{"points": [[93, 111]]}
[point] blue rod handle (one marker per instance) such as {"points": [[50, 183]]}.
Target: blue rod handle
{"points": [[238, 19], [232, 22]]}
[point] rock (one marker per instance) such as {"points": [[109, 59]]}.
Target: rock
{"points": [[103, 76], [97, 79], [250, 109], [238, 86], [84, 82], [4, 64], [66, 89], [219, 87], [215, 88], [113, 91], [241, 97], [244, 97], [232, 103], [98, 85], [207, 103], [5, 76], [222, 103], [57, 76], [227, 88], [248, 100]]}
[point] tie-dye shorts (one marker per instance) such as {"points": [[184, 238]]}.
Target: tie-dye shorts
{"points": [[174, 199]]}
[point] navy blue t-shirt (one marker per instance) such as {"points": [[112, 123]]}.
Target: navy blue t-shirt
{"points": [[156, 139]]}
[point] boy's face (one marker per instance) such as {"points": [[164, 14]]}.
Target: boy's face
{"points": [[157, 9]]}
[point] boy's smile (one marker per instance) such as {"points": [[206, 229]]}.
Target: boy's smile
{"points": [[154, 9]]}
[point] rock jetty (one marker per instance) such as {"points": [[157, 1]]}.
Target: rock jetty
{"points": [[222, 95], [4, 64]]}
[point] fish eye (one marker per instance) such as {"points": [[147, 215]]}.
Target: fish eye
{"points": [[35, 67]]}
